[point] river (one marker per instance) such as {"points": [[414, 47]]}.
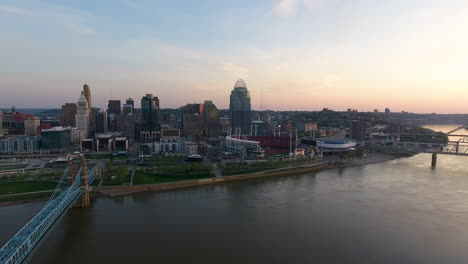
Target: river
{"points": [[399, 211]]}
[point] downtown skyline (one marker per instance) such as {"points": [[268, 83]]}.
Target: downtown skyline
{"points": [[304, 55]]}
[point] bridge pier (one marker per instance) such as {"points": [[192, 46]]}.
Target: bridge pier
{"points": [[434, 160], [84, 199], [71, 172]]}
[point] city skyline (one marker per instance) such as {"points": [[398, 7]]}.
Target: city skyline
{"points": [[314, 53]]}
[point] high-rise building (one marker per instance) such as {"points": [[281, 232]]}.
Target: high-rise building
{"points": [[192, 115], [193, 124], [130, 101], [114, 107], [212, 126], [358, 130], [31, 126], [67, 116], [239, 107], [101, 121], [126, 125], [82, 115], [150, 112], [1, 120], [127, 109], [191, 109], [112, 122], [87, 94]]}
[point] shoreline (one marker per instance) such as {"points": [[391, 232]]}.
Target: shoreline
{"points": [[125, 190], [120, 190]]}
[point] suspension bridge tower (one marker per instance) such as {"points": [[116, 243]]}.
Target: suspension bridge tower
{"points": [[84, 200]]}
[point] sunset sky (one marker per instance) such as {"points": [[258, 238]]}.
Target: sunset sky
{"points": [[305, 54]]}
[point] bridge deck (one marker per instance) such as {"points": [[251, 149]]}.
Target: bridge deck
{"points": [[451, 148], [27, 238]]}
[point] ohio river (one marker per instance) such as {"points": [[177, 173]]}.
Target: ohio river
{"points": [[399, 211]]}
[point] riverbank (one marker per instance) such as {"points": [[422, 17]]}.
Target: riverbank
{"points": [[372, 158], [125, 190], [119, 190]]}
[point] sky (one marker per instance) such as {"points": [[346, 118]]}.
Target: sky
{"points": [[407, 55]]}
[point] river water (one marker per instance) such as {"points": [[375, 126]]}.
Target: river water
{"points": [[399, 211]]}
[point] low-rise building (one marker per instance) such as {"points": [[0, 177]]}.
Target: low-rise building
{"points": [[20, 144], [31, 126], [108, 142]]}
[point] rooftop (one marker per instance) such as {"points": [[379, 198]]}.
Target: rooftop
{"points": [[57, 128], [240, 84]]}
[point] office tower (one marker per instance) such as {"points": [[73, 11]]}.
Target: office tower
{"points": [[358, 130], [67, 117], [1, 120], [126, 125], [212, 126], [192, 119], [193, 125], [130, 101], [239, 107], [191, 109], [150, 112], [127, 109], [113, 107], [101, 121], [87, 94], [57, 137], [31, 126], [82, 115]]}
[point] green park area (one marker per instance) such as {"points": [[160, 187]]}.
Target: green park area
{"points": [[15, 187], [4, 168], [157, 170], [117, 175], [171, 173]]}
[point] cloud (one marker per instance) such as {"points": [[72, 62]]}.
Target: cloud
{"points": [[71, 20], [315, 4], [290, 7], [285, 7], [236, 70]]}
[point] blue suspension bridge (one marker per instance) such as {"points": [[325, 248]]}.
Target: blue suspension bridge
{"points": [[72, 190]]}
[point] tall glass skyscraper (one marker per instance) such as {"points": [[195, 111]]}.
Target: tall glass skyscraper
{"points": [[239, 107], [150, 112]]}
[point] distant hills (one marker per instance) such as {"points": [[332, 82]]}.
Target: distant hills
{"points": [[33, 111]]}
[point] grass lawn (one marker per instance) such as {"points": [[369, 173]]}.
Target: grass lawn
{"points": [[11, 168], [166, 160], [14, 187], [148, 177], [120, 173], [25, 197]]}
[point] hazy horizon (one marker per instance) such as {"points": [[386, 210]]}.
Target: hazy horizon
{"points": [[303, 54]]}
